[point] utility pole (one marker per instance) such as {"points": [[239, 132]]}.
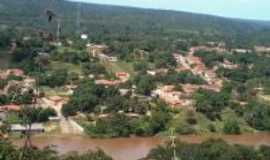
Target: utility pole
{"points": [[58, 31], [173, 145], [78, 19]]}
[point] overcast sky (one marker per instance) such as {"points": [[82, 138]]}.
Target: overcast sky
{"points": [[248, 9]]}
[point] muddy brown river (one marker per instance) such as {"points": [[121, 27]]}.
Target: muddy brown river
{"points": [[134, 148]]}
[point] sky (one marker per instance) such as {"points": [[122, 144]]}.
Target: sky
{"points": [[246, 9]]}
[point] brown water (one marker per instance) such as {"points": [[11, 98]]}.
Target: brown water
{"points": [[135, 148]]}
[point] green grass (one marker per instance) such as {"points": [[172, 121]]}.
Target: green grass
{"points": [[180, 121], [67, 49], [62, 65], [264, 98], [4, 59], [13, 118], [119, 66], [59, 91]]}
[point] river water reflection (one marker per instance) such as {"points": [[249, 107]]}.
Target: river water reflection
{"points": [[134, 148]]}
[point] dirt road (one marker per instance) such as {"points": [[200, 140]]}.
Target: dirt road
{"points": [[68, 126]]}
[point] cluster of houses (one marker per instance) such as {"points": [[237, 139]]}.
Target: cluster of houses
{"points": [[197, 67], [192, 63], [189, 62], [25, 84], [16, 72], [122, 77], [100, 52], [172, 97]]}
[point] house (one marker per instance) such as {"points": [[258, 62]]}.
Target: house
{"points": [[84, 36], [123, 76], [124, 92], [240, 50], [15, 72], [104, 57], [36, 127], [56, 99], [94, 49], [152, 73], [168, 94], [262, 49], [54, 119], [157, 71], [29, 82], [189, 89], [26, 38], [228, 65], [11, 107], [107, 82]]}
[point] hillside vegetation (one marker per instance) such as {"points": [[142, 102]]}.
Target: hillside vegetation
{"points": [[129, 25]]}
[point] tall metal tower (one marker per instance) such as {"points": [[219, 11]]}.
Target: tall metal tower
{"points": [[78, 19]]}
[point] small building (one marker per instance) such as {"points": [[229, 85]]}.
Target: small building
{"points": [[240, 50], [228, 65], [123, 76], [15, 72], [11, 107], [262, 49], [107, 82], [36, 128], [152, 73], [104, 57], [94, 49], [124, 92], [84, 36], [54, 119], [167, 94], [56, 99], [157, 71]]}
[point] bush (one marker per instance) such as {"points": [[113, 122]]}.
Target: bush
{"points": [[257, 115], [56, 78], [184, 128], [231, 127], [69, 110], [15, 78], [118, 125], [44, 114], [3, 83]]}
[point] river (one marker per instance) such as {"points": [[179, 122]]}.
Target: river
{"points": [[134, 148]]}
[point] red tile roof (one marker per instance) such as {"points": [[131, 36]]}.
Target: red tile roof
{"points": [[10, 107]]}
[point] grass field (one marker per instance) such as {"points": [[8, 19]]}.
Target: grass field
{"points": [[4, 59], [62, 65], [119, 66], [54, 91]]}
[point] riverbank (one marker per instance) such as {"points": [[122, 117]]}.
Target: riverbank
{"points": [[134, 147]]}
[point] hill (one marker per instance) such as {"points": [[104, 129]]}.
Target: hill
{"points": [[104, 22]]}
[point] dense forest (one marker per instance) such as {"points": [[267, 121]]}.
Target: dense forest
{"points": [[133, 27]]}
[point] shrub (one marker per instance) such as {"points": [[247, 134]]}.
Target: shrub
{"points": [[231, 127]]}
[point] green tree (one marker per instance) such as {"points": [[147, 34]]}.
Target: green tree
{"points": [[231, 127]]}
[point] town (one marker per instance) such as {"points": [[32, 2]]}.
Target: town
{"points": [[92, 81]]}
